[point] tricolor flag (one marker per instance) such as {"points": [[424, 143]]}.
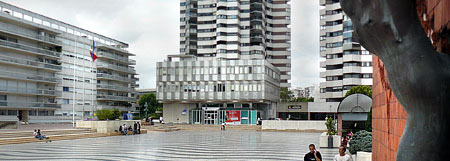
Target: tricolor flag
{"points": [[93, 56]]}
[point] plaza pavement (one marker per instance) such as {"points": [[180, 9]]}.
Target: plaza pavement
{"points": [[180, 145]]}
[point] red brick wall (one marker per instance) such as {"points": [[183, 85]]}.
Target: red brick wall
{"points": [[388, 116]]}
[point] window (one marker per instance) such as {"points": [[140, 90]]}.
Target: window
{"points": [[66, 89], [66, 101], [12, 112]]}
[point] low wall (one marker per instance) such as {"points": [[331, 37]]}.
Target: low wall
{"points": [[293, 125], [323, 141], [9, 124], [105, 126]]}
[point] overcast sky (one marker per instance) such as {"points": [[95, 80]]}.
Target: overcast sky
{"points": [[151, 28]]}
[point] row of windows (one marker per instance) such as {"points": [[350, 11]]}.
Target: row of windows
{"points": [[212, 87], [211, 70]]}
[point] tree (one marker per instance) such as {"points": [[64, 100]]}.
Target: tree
{"points": [[418, 75], [108, 114], [367, 90], [304, 99], [152, 103], [330, 123], [369, 121], [285, 94]]}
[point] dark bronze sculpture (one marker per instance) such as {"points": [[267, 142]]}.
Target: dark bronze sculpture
{"points": [[419, 75]]}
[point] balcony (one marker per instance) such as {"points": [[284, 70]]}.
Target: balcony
{"points": [[28, 104], [114, 88], [29, 49], [27, 91], [28, 77], [30, 63], [116, 67], [113, 77], [122, 108], [114, 48], [10, 29], [351, 47], [115, 98], [102, 54]]}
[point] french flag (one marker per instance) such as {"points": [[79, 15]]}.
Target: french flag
{"points": [[93, 56]]}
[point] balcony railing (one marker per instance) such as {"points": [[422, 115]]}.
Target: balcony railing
{"points": [[116, 98], [32, 91], [32, 63], [114, 77], [30, 49], [115, 67], [30, 77], [28, 104], [115, 57], [4, 27], [115, 87]]}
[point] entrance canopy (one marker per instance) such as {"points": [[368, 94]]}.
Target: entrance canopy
{"points": [[355, 103]]}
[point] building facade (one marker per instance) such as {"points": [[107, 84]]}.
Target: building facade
{"points": [[47, 73], [347, 63], [238, 29], [216, 91]]}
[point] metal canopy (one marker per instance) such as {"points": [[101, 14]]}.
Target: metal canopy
{"points": [[355, 103]]}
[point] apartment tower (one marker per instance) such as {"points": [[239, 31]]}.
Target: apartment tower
{"points": [[347, 63], [238, 29], [47, 73]]}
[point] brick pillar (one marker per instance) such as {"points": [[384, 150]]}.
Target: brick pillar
{"points": [[340, 124]]}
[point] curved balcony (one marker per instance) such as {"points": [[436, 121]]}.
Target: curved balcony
{"points": [[27, 91], [29, 49], [28, 77], [115, 98], [113, 77], [102, 54], [114, 88], [30, 63], [116, 67], [28, 104], [10, 29]]}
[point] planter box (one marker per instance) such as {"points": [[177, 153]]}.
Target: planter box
{"points": [[363, 156], [324, 141], [105, 126]]}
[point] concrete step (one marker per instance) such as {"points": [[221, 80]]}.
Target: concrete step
{"points": [[15, 134], [51, 137]]}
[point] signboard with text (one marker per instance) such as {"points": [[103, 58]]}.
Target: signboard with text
{"points": [[233, 117]]}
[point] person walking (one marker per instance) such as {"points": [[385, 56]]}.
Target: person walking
{"points": [[135, 128], [313, 154], [342, 156], [125, 131], [139, 127], [121, 129], [160, 119]]}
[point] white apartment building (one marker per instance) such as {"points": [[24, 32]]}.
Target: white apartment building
{"points": [[347, 63], [47, 73], [238, 29]]}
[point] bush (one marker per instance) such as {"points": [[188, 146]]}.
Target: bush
{"points": [[361, 141], [104, 114], [108, 114], [330, 126]]}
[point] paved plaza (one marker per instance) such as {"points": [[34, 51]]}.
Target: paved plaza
{"points": [[180, 145]]}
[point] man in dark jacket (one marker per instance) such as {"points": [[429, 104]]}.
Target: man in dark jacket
{"points": [[313, 154], [135, 128]]}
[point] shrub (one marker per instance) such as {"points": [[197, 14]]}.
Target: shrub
{"points": [[108, 114], [330, 126], [361, 141], [104, 114]]}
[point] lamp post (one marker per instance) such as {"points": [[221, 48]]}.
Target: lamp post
{"points": [[146, 111]]}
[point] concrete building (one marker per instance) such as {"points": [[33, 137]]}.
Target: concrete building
{"points": [[307, 110], [40, 57], [244, 29], [199, 91], [347, 63]]}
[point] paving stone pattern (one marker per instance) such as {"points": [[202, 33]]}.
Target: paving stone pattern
{"points": [[180, 145]]}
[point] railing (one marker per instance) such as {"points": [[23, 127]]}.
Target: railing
{"points": [[115, 87], [118, 78], [24, 33], [111, 66], [116, 98], [30, 62], [29, 48], [31, 77], [115, 57], [28, 104], [28, 91]]}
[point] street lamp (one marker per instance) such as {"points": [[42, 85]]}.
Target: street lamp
{"points": [[146, 111]]}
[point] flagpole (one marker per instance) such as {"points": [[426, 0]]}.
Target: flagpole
{"points": [[93, 86], [74, 81]]}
